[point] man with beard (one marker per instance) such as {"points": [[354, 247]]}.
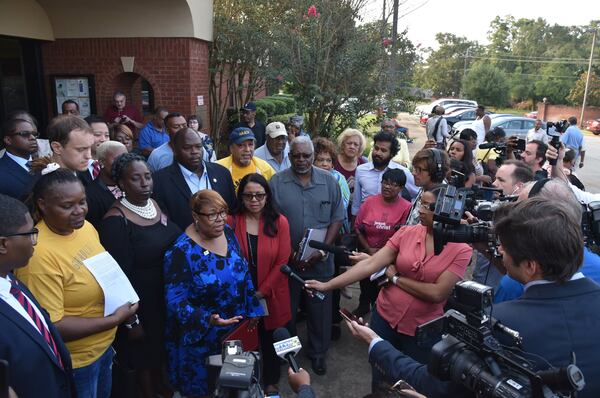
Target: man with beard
{"points": [[367, 180], [310, 198], [248, 119]]}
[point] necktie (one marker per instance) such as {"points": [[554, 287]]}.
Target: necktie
{"points": [[18, 294], [96, 169]]}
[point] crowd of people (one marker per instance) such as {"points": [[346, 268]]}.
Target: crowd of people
{"points": [[202, 238]]}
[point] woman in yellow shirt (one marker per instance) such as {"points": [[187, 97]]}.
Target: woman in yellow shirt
{"points": [[57, 276]]}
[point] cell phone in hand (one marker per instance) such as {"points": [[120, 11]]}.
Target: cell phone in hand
{"points": [[347, 315]]}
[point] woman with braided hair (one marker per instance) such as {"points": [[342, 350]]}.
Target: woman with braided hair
{"points": [[137, 234]]}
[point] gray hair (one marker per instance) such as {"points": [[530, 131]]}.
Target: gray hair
{"points": [[558, 191], [106, 147], [302, 139]]}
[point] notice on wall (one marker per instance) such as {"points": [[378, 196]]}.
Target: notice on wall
{"points": [[75, 89], [200, 99]]}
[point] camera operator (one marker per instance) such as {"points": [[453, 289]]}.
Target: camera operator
{"points": [[489, 158], [557, 316], [558, 172], [534, 156], [556, 190]]}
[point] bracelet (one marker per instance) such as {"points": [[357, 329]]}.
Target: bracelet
{"points": [[324, 254], [133, 324], [395, 279]]}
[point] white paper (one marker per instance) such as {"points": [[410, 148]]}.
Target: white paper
{"points": [[312, 234], [111, 278]]}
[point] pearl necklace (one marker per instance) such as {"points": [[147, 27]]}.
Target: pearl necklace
{"points": [[148, 211]]}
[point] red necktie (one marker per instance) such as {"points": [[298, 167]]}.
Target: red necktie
{"points": [[96, 169], [18, 294]]}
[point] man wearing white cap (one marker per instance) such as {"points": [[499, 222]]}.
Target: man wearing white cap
{"points": [[275, 151]]}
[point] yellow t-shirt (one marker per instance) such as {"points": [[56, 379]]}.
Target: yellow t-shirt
{"points": [[64, 286], [237, 173], [483, 155]]}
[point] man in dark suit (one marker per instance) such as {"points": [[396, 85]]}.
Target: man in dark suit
{"points": [[19, 139], [558, 314], [188, 174], [39, 363]]}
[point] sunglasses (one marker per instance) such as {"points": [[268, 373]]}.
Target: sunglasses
{"points": [[251, 196]]}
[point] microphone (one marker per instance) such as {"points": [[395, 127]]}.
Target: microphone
{"points": [[288, 271], [287, 347], [341, 250]]}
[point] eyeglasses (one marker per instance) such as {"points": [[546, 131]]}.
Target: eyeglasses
{"points": [[214, 216], [33, 235], [26, 134], [250, 196], [390, 184], [426, 205]]}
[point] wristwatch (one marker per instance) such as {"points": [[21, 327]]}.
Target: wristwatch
{"points": [[395, 279], [133, 324], [324, 254]]}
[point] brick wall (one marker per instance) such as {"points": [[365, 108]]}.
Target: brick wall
{"points": [[558, 112], [176, 68]]}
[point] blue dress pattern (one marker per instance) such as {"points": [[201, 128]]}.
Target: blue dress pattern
{"points": [[199, 283]]}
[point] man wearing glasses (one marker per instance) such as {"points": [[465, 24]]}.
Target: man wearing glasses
{"points": [[19, 138], [28, 339], [310, 197]]}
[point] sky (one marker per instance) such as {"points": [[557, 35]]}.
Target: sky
{"points": [[471, 18]]}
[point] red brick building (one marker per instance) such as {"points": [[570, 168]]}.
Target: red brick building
{"points": [[155, 51]]}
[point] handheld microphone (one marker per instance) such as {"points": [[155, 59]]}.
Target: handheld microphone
{"points": [[288, 271], [287, 347], [341, 250]]}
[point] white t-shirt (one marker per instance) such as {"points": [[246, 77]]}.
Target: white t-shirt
{"points": [[539, 135]]}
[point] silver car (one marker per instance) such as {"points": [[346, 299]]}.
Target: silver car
{"points": [[512, 125]]}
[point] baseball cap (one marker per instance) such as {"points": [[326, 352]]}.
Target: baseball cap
{"points": [[297, 120], [249, 106], [240, 134], [276, 129]]}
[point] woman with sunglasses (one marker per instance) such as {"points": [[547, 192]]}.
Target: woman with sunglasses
{"points": [[264, 236], [419, 282], [58, 276], [208, 291]]}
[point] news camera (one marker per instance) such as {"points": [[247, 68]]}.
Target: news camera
{"points": [[590, 225], [450, 206], [469, 353], [240, 372]]}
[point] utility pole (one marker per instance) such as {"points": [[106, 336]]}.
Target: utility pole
{"points": [[464, 71], [587, 80], [393, 74]]}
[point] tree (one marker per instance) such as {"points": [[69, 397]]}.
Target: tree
{"points": [[576, 95], [327, 61], [486, 84]]}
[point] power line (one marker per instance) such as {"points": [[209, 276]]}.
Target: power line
{"points": [[542, 58], [555, 61]]}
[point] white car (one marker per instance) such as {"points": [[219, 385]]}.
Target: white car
{"points": [[426, 109]]}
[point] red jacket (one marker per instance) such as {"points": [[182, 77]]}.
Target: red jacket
{"points": [[273, 252]]}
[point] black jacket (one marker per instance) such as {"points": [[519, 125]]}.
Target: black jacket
{"points": [[172, 193]]}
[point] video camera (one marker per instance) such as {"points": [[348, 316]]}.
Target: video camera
{"points": [[501, 148], [590, 225], [240, 372], [470, 354], [450, 206]]}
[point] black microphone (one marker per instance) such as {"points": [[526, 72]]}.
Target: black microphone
{"points": [[488, 145], [341, 250], [287, 347], [288, 271]]}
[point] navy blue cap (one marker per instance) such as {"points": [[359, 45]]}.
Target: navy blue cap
{"points": [[249, 106], [240, 134]]}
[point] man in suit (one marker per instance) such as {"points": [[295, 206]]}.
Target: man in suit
{"points": [[39, 363], [19, 138], [188, 174], [558, 314]]}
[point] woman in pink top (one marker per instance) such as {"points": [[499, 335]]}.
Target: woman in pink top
{"points": [[419, 282]]}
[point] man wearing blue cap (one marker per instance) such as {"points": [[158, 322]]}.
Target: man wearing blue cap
{"points": [[242, 160], [248, 119]]}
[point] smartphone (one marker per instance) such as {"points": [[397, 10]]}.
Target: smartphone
{"points": [[521, 144], [554, 142], [347, 315]]}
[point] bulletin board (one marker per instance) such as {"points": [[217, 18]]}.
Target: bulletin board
{"points": [[79, 88]]}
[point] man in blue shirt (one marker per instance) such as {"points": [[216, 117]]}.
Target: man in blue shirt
{"points": [[153, 134], [573, 139]]}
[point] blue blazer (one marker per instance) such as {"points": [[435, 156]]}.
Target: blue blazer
{"points": [[33, 369], [553, 320], [173, 194], [14, 180]]}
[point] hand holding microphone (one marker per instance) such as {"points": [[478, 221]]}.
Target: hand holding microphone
{"points": [[290, 273]]}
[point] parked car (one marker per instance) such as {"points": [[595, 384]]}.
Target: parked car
{"points": [[515, 125], [462, 115], [594, 126], [532, 115], [455, 108], [426, 109]]}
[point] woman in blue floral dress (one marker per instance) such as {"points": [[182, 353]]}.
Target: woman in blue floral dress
{"points": [[208, 290]]}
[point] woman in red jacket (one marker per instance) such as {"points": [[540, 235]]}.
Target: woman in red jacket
{"points": [[264, 237]]}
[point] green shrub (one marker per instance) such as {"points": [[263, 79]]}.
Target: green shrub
{"points": [[281, 118], [280, 106], [261, 113], [267, 105], [289, 101]]}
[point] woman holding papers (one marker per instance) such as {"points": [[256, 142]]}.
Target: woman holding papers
{"points": [[137, 234], [264, 237], [208, 290], [419, 284], [58, 276]]}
